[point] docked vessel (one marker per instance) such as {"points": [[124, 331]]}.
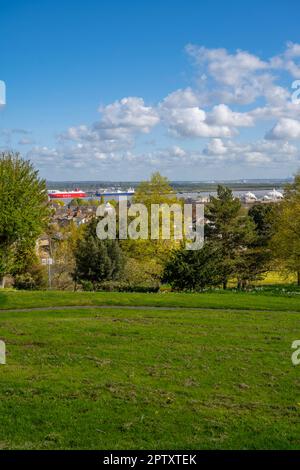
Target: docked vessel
{"points": [[115, 192], [273, 195], [56, 194]]}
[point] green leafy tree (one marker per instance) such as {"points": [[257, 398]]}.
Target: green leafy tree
{"points": [[258, 257], [77, 202], [263, 217], [194, 269], [155, 191], [24, 210], [97, 260], [231, 232], [63, 249], [286, 240]]}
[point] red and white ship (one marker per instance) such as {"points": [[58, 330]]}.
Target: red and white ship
{"points": [[55, 194]]}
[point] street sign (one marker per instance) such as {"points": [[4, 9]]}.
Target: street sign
{"points": [[47, 261]]}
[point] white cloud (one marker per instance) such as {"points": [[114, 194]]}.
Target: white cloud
{"points": [[186, 98], [242, 77], [191, 122], [285, 129], [129, 113], [253, 153], [229, 69], [286, 61], [236, 90], [215, 147], [222, 115]]}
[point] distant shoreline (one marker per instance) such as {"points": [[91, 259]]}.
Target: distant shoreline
{"points": [[179, 186]]}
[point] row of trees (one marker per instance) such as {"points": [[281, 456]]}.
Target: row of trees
{"points": [[240, 245], [236, 246]]}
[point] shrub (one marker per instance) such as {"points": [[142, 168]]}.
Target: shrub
{"points": [[34, 279]]}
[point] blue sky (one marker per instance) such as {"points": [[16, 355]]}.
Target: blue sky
{"points": [[118, 89]]}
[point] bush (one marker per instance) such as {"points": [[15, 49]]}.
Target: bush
{"points": [[96, 260], [194, 270], [117, 286], [34, 279]]}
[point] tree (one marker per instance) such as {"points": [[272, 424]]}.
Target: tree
{"points": [[27, 271], [97, 260], [63, 249], [24, 209], [263, 218], [230, 231], [194, 269], [286, 240], [76, 202], [258, 257], [155, 191]]}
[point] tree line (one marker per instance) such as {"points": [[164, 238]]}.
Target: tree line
{"points": [[241, 245]]}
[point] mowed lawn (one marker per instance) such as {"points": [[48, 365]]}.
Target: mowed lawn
{"points": [[150, 379]]}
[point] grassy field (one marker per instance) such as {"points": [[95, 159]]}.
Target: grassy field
{"points": [[125, 379], [273, 299]]}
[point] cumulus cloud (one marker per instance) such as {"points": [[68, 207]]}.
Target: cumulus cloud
{"points": [[285, 129], [236, 90], [242, 77], [253, 153], [129, 113], [222, 115], [186, 98], [230, 69], [179, 111], [288, 60], [191, 122], [215, 147], [119, 123]]}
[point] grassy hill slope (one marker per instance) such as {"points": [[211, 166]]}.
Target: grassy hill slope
{"points": [[178, 379]]}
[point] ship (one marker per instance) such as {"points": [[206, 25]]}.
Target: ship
{"points": [[249, 197], [73, 194], [115, 192]]}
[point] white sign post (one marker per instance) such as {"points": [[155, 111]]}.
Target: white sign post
{"points": [[48, 262]]}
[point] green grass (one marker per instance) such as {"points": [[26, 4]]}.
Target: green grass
{"points": [[129, 379], [264, 300]]}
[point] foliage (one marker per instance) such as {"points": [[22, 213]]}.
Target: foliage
{"points": [[155, 191], [63, 249], [117, 286], [286, 239], [57, 202], [231, 232], [263, 218], [97, 260], [194, 269], [79, 202], [24, 210], [33, 279]]}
